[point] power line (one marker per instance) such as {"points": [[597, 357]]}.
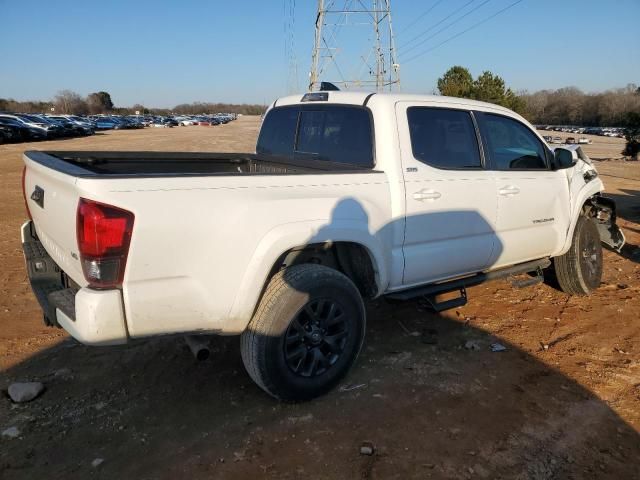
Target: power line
{"points": [[438, 23], [463, 31], [420, 17], [289, 7], [438, 32]]}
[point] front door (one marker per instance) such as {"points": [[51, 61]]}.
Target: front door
{"points": [[533, 200], [450, 197]]}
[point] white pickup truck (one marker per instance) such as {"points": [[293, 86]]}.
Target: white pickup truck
{"points": [[349, 196]]}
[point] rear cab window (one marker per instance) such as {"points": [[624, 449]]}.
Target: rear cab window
{"points": [[330, 132], [278, 132]]}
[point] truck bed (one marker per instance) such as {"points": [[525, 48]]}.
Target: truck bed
{"points": [[170, 164]]}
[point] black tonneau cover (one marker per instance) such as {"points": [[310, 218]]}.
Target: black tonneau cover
{"points": [[170, 164]]}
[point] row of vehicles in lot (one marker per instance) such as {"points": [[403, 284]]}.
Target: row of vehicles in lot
{"points": [[568, 140], [113, 122], [582, 140], [601, 131], [22, 127], [27, 127]]}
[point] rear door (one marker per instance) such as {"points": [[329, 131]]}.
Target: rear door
{"points": [[450, 197], [533, 200]]}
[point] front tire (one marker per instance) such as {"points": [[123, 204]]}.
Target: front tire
{"points": [[306, 333], [579, 271]]}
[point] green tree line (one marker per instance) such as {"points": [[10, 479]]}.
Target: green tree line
{"points": [[487, 87], [564, 106]]}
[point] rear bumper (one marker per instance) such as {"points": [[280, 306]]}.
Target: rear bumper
{"points": [[99, 318], [93, 317]]}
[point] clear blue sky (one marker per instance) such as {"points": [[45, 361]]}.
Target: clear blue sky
{"points": [[162, 53]]}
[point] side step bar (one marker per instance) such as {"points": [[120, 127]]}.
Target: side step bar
{"points": [[460, 284], [438, 306], [528, 282]]}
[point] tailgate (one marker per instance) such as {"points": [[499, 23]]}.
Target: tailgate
{"points": [[52, 199]]}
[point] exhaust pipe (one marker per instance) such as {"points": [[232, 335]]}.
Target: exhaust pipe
{"points": [[198, 345]]}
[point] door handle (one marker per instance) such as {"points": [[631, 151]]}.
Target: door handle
{"points": [[427, 194], [508, 191]]}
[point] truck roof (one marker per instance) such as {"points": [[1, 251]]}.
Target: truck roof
{"points": [[359, 98]]}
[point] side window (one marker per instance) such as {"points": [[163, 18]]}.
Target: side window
{"points": [[443, 138], [278, 132], [511, 145], [336, 134]]}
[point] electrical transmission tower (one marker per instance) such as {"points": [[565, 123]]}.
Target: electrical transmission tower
{"points": [[363, 57]]}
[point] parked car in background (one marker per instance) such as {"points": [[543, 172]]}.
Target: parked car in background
{"points": [[8, 134], [82, 127], [136, 121], [67, 128], [80, 120], [106, 123], [121, 123], [224, 119], [162, 123], [186, 121], [47, 130], [548, 138], [556, 140], [585, 141], [130, 123], [24, 133]]}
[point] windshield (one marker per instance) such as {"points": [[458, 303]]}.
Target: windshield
{"points": [[31, 118], [9, 121]]}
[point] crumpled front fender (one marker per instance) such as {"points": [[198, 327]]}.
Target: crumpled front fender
{"points": [[610, 233]]}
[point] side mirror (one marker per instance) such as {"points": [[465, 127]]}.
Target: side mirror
{"points": [[563, 158]]}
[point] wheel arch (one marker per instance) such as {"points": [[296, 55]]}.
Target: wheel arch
{"points": [[603, 209], [348, 247]]}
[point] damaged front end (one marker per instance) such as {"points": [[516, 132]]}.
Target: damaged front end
{"points": [[604, 213], [601, 208]]}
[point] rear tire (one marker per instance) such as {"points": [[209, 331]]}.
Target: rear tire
{"points": [[306, 333], [579, 271]]}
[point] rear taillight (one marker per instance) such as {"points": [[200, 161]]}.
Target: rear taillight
{"points": [[104, 235], [24, 191]]}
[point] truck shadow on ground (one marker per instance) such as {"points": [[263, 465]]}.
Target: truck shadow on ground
{"points": [[427, 392], [429, 406]]}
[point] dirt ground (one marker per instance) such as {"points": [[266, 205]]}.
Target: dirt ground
{"points": [[563, 401]]}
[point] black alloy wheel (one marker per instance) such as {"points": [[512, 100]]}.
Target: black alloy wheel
{"points": [[316, 337]]}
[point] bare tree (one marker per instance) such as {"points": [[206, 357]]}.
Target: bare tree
{"points": [[569, 105], [67, 101], [196, 108]]}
